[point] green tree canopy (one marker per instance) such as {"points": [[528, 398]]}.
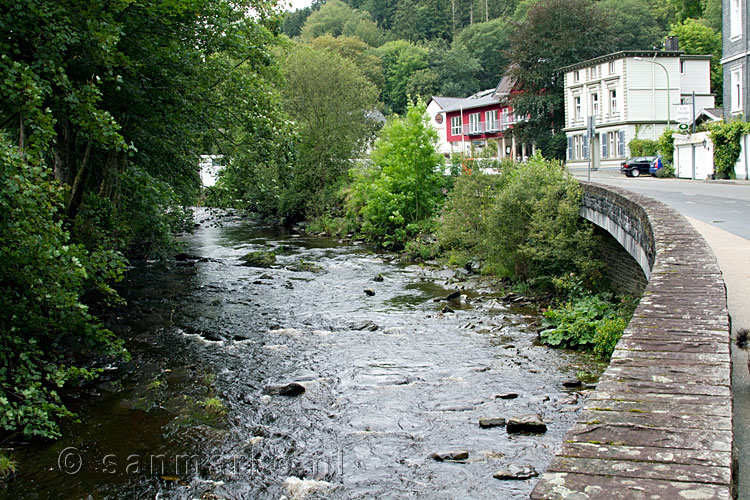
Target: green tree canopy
{"points": [[329, 100], [488, 43], [697, 38], [552, 37], [634, 27], [358, 52], [336, 18], [401, 61]]}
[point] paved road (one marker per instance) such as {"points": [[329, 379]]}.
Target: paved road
{"points": [[720, 211], [723, 204]]}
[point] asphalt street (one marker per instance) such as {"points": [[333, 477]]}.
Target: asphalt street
{"points": [[720, 211]]}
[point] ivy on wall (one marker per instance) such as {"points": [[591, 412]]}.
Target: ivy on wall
{"points": [[727, 139]]}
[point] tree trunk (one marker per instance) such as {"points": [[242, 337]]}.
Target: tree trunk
{"points": [[76, 191], [62, 152]]}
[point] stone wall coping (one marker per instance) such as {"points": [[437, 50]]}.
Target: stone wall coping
{"points": [[659, 423]]}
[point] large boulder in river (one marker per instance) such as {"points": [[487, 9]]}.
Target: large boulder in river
{"points": [[290, 389], [258, 258], [453, 456], [526, 423]]}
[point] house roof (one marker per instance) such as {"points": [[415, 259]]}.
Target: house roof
{"points": [[445, 102], [710, 115], [504, 87], [478, 100], [632, 53]]}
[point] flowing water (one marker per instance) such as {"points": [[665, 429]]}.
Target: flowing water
{"points": [[389, 379]]}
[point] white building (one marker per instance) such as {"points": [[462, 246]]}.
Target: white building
{"points": [[435, 108], [630, 93]]}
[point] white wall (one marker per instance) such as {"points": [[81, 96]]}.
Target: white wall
{"points": [[433, 109], [647, 97], [741, 167], [696, 146]]}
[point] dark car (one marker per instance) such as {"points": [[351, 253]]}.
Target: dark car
{"points": [[633, 167]]}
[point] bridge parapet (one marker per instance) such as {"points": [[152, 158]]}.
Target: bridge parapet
{"points": [[659, 424]]}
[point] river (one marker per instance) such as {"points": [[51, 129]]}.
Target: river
{"points": [[389, 379]]}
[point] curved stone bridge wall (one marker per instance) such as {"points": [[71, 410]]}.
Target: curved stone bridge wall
{"points": [[659, 424]]}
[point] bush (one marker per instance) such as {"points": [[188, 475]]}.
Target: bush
{"points": [[42, 281], [395, 196], [643, 147], [608, 333], [666, 147], [575, 323], [727, 147]]}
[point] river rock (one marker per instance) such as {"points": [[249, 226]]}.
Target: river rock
{"points": [[447, 309], [290, 389], [364, 325], [507, 395], [369, 292], [442, 456], [258, 259], [453, 296], [299, 489], [378, 278], [570, 384], [516, 473], [487, 422], [532, 423]]}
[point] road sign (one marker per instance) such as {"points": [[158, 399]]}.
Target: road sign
{"points": [[683, 127], [684, 113]]}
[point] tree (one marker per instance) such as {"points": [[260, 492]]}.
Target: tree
{"points": [[403, 187], [633, 25], [336, 18], [422, 20], [358, 52], [329, 100], [697, 38], [457, 70], [487, 43], [401, 61], [552, 37]]}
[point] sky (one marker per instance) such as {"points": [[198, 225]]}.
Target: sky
{"points": [[296, 4]]}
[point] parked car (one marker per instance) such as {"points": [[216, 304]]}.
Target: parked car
{"points": [[655, 165], [633, 167]]}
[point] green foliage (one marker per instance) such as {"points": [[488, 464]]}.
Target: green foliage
{"points": [[635, 25], [400, 192], [402, 63], [336, 18], [488, 43], [666, 146], [608, 333], [523, 223], [330, 102], [575, 323], [727, 139], [643, 147], [7, 466], [43, 317]]}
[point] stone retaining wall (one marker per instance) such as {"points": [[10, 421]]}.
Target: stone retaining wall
{"points": [[659, 424]]}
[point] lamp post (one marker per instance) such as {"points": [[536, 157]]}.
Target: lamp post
{"points": [[669, 104]]}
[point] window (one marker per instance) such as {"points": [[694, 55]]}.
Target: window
{"points": [[612, 144], [474, 124], [736, 103], [576, 76], [578, 142], [595, 104], [613, 102], [577, 105], [490, 118], [506, 118], [735, 19], [611, 67], [594, 71], [455, 125], [682, 67]]}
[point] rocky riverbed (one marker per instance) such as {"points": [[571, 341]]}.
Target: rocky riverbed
{"points": [[329, 371]]}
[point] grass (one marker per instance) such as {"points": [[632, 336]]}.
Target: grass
{"points": [[7, 466]]}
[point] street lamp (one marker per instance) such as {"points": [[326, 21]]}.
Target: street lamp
{"points": [[669, 104]]}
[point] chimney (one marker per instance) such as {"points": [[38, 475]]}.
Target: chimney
{"points": [[672, 44]]}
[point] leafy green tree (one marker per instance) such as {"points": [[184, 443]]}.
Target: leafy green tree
{"points": [[329, 100], [417, 20], [402, 189], [401, 61], [358, 52], [552, 37], [43, 319], [697, 38], [457, 70], [712, 15], [487, 43], [336, 18], [633, 25]]}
